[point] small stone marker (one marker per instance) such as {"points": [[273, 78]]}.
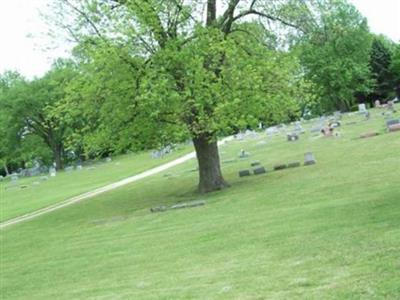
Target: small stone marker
{"points": [[244, 173], [158, 208], [280, 167], [14, 177], [291, 137], [368, 135], [392, 122], [362, 108], [395, 127], [294, 164], [227, 161], [259, 170], [309, 159], [52, 172], [108, 159], [79, 167], [243, 154], [255, 163]]}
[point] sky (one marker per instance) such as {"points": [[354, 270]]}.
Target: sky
{"points": [[25, 47]]}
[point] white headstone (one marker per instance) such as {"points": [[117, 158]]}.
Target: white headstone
{"points": [[362, 108], [52, 172]]}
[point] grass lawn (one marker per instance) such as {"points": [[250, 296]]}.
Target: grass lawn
{"points": [[16, 201], [328, 231]]}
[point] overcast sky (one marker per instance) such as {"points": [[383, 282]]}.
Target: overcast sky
{"points": [[23, 40]]}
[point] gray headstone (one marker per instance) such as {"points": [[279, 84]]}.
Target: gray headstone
{"points": [[294, 164], [280, 167], [259, 170], [309, 159], [158, 208], [244, 173], [292, 137], [255, 163], [392, 122]]}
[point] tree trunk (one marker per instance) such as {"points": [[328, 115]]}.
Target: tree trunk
{"points": [[6, 168], [210, 176], [58, 156]]}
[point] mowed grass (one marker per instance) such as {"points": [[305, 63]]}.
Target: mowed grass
{"points": [[37, 193], [328, 231]]}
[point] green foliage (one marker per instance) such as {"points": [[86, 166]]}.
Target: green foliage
{"points": [[335, 55], [380, 63]]}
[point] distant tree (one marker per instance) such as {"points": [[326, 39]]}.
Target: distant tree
{"points": [[380, 63], [335, 55], [30, 106], [395, 69]]}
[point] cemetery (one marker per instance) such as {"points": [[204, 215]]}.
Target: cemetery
{"points": [[214, 149], [159, 213]]}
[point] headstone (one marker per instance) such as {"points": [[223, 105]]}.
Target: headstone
{"points": [[362, 108], [108, 159], [294, 164], [392, 122], [368, 135], [1, 178], [14, 177], [280, 167], [395, 127], [317, 127], [227, 161], [244, 173], [255, 163], [292, 137], [378, 104], [158, 209], [390, 106], [259, 170], [309, 159], [52, 172], [243, 154], [79, 167]]}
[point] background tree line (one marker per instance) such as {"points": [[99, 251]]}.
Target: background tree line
{"points": [[147, 73]]}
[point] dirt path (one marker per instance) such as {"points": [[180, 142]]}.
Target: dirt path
{"points": [[101, 190]]}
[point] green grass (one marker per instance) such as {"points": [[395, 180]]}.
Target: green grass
{"points": [[15, 201], [328, 231]]}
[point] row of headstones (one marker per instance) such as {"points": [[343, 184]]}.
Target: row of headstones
{"points": [[258, 169]]}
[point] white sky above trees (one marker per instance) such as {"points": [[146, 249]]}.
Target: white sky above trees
{"points": [[25, 47]]}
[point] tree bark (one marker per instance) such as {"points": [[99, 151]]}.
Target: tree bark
{"points": [[6, 168], [58, 156], [210, 175]]}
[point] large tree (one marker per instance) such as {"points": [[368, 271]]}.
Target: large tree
{"points": [[335, 55], [30, 106], [196, 67]]}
